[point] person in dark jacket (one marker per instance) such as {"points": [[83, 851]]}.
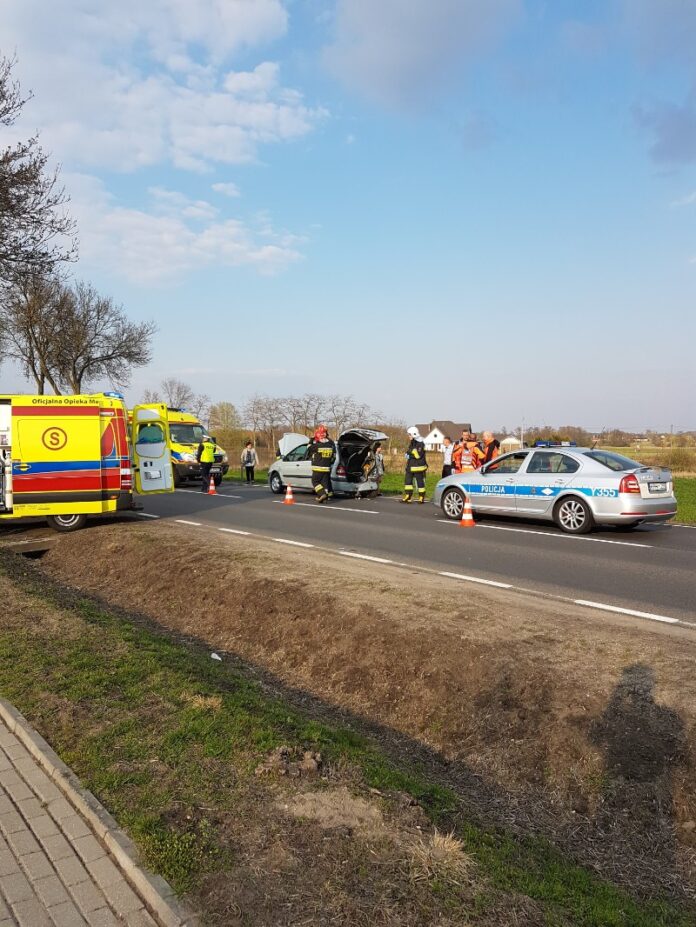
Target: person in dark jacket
{"points": [[416, 466], [322, 452], [206, 457]]}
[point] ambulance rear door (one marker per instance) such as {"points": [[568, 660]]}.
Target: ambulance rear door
{"points": [[152, 461]]}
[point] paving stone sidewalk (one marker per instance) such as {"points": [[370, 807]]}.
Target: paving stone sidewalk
{"points": [[54, 871]]}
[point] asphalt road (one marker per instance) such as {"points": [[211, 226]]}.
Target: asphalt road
{"points": [[651, 569]]}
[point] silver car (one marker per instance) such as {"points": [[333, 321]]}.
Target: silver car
{"points": [[353, 473], [575, 487]]}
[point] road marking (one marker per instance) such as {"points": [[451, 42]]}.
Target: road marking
{"points": [[550, 534], [182, 521], [330, 507], [197, 492], [234, 531], [294, 543], [475, 579], [691, 527], [147, 515], [350, 553], [626, 611]]}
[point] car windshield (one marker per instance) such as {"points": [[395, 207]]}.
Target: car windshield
{"points": [[613, 461], [186, 434]]}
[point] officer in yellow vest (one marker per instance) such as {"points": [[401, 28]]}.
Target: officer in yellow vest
{"points": [[206, 457]]}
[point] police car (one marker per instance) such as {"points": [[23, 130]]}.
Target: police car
{"points": [[575, 487]]}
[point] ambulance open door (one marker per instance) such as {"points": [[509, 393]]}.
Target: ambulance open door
{"points": [[152, 461]]}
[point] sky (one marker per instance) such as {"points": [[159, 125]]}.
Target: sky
{"points": [[449, 209]]}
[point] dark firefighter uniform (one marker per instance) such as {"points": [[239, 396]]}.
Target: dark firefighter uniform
{"points": [[416, 465], [206, 457], [323, 454]]}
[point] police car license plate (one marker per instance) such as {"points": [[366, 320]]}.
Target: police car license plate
{"points": [[215, 470], [657, 487]]}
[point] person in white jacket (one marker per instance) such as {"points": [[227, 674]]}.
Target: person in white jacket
{"points": [[250, 460]]}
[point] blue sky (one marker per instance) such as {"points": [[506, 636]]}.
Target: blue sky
{"points": [[446, 208]]}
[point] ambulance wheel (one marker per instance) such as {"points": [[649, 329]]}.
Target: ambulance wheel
{"points": [[452, 503], [217, 479], [177, 479], [66, 522], [573, 515], [276, 483]]}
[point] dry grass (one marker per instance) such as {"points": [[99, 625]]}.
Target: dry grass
{"points": [[440, 857]]}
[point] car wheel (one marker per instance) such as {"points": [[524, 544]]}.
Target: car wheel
{"points": [[573, 516], [66, 522], [275, 482], [452, 503]]}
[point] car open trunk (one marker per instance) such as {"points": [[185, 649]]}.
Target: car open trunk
{"points": [[356, 455]]}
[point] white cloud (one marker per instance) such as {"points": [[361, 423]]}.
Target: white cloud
{"points": [[399, 53], [135, 84], [689, 200], [175, 236], [227, 189]]}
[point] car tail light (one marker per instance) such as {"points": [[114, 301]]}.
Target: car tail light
{"points": [[629, 484], [340, 470], [126, 479]]}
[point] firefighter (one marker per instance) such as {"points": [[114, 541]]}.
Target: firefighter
{"points": [[416, 466], [205, 455], [322, 451]]}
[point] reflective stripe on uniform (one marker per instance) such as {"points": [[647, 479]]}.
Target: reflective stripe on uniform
{"points": [[321, 469]]}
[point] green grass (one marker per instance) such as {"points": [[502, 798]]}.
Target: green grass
{"points": [[114, 699], [685, 491]]}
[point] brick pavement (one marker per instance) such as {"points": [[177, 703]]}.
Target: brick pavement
{"points": [[54, 872]]}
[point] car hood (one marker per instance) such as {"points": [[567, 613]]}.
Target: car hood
{"points": [[290, 441], [361, 436]]}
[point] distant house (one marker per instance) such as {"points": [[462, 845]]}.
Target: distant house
{"points": [[435, 432]]}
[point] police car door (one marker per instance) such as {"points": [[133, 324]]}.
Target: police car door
{"points": [[152, 461], [546, 473], [493, 487]]}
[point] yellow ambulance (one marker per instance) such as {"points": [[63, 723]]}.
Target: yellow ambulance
{"points": [[66, 457], [186, 433]]}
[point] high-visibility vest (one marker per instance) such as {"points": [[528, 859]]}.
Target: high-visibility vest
{"points": [[208, 452]]}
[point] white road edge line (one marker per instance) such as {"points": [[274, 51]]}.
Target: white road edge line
{"points": [[234, 531], [147, 515], [294, 543], [227, 495], [550, 534], [329, 508], [475, 579], [626, 611], [182, 521], [350, 553]]}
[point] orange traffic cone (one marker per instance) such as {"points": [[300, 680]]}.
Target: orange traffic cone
{"points": [[467, 517], [212, 491], [288, 500]]}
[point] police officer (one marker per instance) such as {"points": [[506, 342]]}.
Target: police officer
{"points": [[205, 455], [322, 451], [416, 466]]}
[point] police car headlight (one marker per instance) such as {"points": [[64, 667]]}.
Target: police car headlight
{"points": [[225, 458]]}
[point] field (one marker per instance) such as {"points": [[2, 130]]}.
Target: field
{"points": [[376, 754]]}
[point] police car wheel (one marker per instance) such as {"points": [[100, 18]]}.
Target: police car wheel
{"points": [[66, 522], [275, 483], [452, 504], [573, 516]]}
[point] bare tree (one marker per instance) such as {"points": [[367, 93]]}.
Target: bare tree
{"points": [[150, 396], [31, 316], [36, 233], [345, 412], [201, 405], [176, 393], [98, 341]]}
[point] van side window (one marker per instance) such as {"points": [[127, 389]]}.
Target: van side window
{"points": [[150, 434]]}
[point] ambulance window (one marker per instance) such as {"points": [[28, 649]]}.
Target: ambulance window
{"points": [[150, 437]]}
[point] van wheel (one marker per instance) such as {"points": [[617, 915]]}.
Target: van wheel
{"points": [[218, 479], [177, 479], [66, 522], [275, 483], [573, 516]]}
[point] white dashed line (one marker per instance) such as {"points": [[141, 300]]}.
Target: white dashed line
{"points": [[147, 515], [294, 543], [181, 521], [350, 553], [331, 508], [475, 579], [550, 534], [626, 611], [234, 531]]}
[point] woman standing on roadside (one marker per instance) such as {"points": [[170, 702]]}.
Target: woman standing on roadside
{"points": [[250, 460]]}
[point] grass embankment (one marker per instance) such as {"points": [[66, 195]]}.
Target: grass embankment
{"points": [[169, 740]]}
